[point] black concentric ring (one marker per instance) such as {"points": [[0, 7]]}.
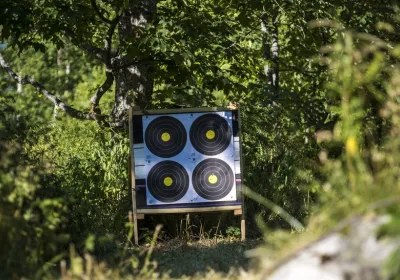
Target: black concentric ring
{"points": [[168, 146], [178, 181], [215, 143], [212, 179]]}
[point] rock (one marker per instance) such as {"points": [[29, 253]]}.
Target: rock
{"points": [[356, 255]]}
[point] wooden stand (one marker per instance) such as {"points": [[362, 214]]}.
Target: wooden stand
{"points": [[139, 214]]}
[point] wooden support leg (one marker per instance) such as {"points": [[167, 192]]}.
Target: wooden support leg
{"points": [[133, 220], [243, 228], [132, 180], [135, 229]]}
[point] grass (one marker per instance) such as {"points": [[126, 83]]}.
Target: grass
{"points": [[204, 258]]}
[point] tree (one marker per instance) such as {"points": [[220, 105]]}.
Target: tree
{"points": [[146, 47], [151, 48]]}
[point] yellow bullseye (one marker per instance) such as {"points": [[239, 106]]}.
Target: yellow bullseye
{"points": [[168, 181], [210, 134], [165, 136], [212, 179]]}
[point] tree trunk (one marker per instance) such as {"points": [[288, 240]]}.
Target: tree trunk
{"points": [[134, 83], [133, 87], [270, 32]]}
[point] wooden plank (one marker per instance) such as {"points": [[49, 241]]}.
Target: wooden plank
{"points": [[140, 216], [133, 179], [189, 210], [181, 110], [237, 212]]}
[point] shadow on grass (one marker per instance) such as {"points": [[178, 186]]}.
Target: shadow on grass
{"points": [[179, 258]]}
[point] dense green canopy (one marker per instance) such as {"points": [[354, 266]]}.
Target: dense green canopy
{"points": [[188, 52]]}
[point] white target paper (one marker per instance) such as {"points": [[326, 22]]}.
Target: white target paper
{"points": [[189, 158]]}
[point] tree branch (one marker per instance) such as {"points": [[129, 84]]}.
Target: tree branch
{"points": [[271, 47], [119, 62], [95, 99], [108, 40], [242, 37], [99, 12], [100, 92], [100, 54], [54, 99]]}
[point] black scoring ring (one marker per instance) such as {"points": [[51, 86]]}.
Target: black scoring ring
{"points": [[167, 147], [221, 134], [222, 183], [178, 178]]}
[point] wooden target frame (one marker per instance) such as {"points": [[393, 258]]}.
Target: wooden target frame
{"points": [[139, 211]]}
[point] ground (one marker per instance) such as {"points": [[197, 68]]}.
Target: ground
{"points": [[226, 257]]}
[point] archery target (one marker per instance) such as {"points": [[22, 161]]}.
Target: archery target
{"points": [[168, 181], [213, 179], [210, 134], [165, 136], [188, 158]]}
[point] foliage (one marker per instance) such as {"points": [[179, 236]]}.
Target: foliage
{"points": [[66, 71], [45, 209], [89, 167], [233, 232], [365, 172], [30, 219], [363, 178]]}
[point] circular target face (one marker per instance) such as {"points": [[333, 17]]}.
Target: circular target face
{"points": [[165, 137], [168, 181], [212, 179], [210, 134]]}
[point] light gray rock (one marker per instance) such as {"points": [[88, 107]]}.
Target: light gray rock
{"points": [[354, 255]]}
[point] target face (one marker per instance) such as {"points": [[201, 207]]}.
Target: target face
{"points": [[168, 181], [210, 134], [165, 136], [213, 179], [179, 171]]}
